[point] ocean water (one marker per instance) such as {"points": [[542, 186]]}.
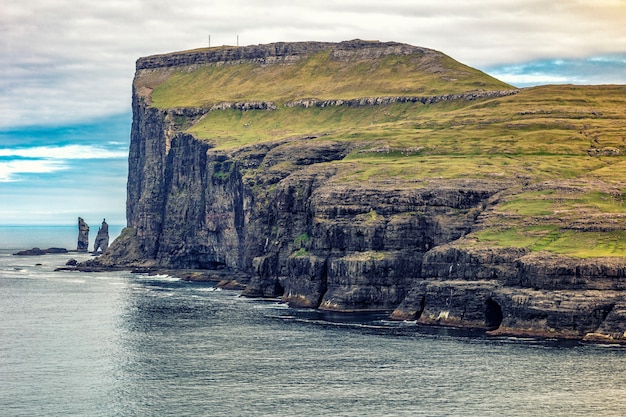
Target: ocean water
{"points": [[26, 237], [121, 344]]}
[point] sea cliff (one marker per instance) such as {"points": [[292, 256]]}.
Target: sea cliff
{"points": [[294, 215]]}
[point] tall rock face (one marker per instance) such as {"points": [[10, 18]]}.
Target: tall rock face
{"points": [[277, 214], [185, 203]]}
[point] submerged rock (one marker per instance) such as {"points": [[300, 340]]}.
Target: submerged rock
{"points": [[56, 250], [38, 252]]}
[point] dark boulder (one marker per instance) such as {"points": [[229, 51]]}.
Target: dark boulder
{"points": [[31, 252]]}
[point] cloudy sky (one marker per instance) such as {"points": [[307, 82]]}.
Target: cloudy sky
{"points": [[66, 68]]}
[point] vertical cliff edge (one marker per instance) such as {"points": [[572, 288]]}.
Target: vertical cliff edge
{"points": [[364, 176]]}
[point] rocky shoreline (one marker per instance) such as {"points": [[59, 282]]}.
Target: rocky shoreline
{"points": [[225, 280], [222, 279], [459, 304], [275, 216]]}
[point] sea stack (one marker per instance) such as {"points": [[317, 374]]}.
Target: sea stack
{"points": [[83, 236], [102, 238]]}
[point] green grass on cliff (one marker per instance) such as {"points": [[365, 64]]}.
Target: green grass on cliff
{"points": [[578, 219], [320, 77], [561, 150], [566, 242], [544, 133], [550, 136]]}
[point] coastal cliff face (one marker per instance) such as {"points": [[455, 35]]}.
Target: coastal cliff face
{"points": [[282, 218]]}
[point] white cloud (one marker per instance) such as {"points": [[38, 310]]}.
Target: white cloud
{"points": [[10, 169], [524, 80], [64, 152], [608, 59], [49, 159]]}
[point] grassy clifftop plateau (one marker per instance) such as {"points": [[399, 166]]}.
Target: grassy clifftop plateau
{"points": [[560, 149], [322, 76]]}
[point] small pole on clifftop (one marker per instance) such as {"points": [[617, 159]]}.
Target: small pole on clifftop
{"points": [[209, 41], [237, 40]]}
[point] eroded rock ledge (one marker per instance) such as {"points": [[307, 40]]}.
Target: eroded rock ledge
{"points": [[380, 101], [514, 292], [357, 102], [278, 52]]}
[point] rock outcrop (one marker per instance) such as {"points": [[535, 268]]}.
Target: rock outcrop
{"points": [[83, 236], [284, 52], [102, 238], [274, 214]]}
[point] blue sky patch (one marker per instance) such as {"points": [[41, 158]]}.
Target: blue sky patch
{"points": [[606, 69], [52, 175]]}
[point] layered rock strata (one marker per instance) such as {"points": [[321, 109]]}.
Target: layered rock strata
{"points": [[515, 292], [273, 215]]}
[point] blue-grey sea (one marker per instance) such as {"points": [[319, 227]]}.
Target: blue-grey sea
{"points": [[121, 344]]}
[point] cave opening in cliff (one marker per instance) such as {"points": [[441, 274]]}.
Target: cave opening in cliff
{"points": [[493, 314]]}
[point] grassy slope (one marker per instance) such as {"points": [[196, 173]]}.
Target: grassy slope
{"points": [[321, 77], [562, 145]]}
